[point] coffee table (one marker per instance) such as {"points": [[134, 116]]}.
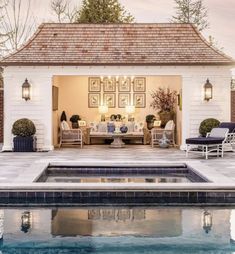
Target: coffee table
{"points": [[117, 140]]}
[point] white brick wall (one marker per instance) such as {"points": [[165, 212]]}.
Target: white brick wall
{"points": [[195, 109]]}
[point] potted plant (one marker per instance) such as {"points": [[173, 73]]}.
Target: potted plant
{"points": [[207, 125], [150, 120], [74, 120], [24, 140], [164, 101]]}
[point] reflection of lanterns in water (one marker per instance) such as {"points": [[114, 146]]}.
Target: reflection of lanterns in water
{"points": [[207, 221], [25, 221]]}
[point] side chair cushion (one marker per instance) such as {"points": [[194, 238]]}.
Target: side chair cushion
{"points": [[169, 126], [65, 126], [204, 141], [229, 125]]}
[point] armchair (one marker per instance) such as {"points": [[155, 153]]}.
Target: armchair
{"points": [[70, 136]]}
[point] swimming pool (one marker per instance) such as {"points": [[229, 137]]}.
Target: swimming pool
{"points": [[117, 230]]}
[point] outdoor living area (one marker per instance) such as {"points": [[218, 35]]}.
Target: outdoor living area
{"points": [[107, 108]]}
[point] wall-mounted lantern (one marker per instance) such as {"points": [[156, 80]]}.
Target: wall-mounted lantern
{"points": [[26, 90], [25, 221], [207, 221], [208, 91]]}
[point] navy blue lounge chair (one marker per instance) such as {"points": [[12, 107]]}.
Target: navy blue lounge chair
{"points": [[214, 142]]}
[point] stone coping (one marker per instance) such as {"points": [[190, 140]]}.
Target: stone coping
{"points": [[26, 182]]}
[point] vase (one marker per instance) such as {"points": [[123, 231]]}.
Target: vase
{"points": [[75, 125], [166, 116], [164, 142], [124, 129], [149, 125]]}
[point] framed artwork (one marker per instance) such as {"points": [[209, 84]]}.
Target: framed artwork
{"points": [[94, 84], [124, 84], [109, 99], [93, 100], [124, 99], [55, 98], [109, 84], [139, 84], [139, 100]]}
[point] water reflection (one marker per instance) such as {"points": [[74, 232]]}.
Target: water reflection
{"points": [[147, 179], [105, 227]]}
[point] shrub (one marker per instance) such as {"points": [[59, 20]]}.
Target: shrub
{"points": [[150, 118], [23, 128], [207, 125], [75, 118]]}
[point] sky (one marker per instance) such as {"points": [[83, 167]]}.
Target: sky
{"points": [[221, 16]]}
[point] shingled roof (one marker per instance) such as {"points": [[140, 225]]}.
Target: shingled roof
{"points": [[117, 44]]}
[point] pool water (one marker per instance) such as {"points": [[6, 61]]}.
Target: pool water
{"points": [[117, 230], [146, 179]]}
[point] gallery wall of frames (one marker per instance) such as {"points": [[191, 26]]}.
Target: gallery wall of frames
{"points": [[117, 92]]}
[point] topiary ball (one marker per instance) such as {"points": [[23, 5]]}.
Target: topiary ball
{"points": [[207, 125], [23, 128]]}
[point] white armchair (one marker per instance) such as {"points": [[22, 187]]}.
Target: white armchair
{"points": [[70, 136]]}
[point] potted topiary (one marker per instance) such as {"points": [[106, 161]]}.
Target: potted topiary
{"points": [[150, 120], [24, 140], [164, 101], [207, 125], [74, 120]]}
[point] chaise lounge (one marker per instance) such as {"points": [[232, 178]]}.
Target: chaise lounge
{"points": [[213, 142]]}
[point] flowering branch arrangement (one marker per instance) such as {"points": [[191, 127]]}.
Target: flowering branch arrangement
{"points": [[163, 100]]}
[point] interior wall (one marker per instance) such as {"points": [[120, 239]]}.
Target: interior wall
{"points": [[73, 99]]}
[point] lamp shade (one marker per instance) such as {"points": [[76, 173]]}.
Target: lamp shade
{"points": [[103, 109], [130, 109]]}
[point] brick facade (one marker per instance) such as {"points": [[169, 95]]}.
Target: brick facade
{"points": [[1, 107], [233, 106]]}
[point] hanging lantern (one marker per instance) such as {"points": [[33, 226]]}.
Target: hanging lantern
{"points": [[208, 91], [26, 87], [25, 221], [207, 221]]}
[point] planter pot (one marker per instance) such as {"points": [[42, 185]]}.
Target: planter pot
{"points": [[24, 144], [75, 125], [149, 125], [166, 116]]}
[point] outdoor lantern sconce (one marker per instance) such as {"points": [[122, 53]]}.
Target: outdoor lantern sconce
{"points": [[26, 87], [25, 221], [208, 89], [207, 221]]}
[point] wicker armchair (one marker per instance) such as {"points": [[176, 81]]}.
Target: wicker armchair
{"points": [[70, 136], [169, 131]]}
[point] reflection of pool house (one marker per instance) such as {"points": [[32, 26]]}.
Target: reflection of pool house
{"points": [[164, 224], [145, 56]]}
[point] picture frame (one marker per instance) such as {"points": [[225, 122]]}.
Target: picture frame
{"points": [[124, 99], [55, 98], [139, 100], [109, 84], [94, 84], [93, 100], [109, 99], [124, 84], [157, 123], [139, 84]]}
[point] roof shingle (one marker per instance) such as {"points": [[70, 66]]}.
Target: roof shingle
{"points": [[117, 44]]}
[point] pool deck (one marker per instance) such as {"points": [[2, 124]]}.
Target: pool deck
{"points": [[18, 167]]}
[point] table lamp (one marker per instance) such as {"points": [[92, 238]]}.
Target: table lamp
{"points": [[103, 109], [130, 109]]}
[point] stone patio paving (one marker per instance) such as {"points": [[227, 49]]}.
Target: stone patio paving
{"points": [[13, 165]]}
